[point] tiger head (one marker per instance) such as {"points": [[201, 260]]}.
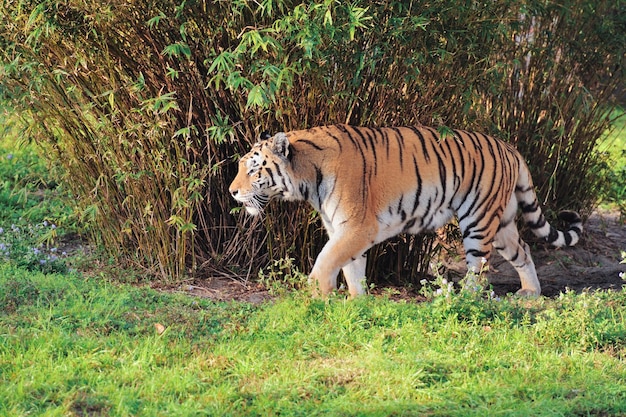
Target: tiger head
{"points": [[263, 173]]}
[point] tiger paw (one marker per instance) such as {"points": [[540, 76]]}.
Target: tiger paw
{"points": [[528, 293]]}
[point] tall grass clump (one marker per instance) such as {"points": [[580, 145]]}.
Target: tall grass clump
{"points": [[147, 105]]}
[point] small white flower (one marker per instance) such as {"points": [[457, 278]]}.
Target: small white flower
{"points": [[483, 260]]}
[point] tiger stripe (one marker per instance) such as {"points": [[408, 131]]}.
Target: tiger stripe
{"points": [[370, 184]]}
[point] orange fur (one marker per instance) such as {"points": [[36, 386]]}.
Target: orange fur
{"points": [[370, 184]]}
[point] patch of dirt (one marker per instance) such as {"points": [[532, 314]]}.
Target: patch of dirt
{"points": [[594, 263], [222, 288]]}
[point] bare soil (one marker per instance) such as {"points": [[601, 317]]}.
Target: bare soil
{"points": [[594, 263]]}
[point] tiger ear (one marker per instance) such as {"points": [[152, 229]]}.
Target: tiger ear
{"points": [[280, 144], [265, 135]]}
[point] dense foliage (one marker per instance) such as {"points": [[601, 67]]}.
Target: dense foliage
{"points": [[148, 104]]}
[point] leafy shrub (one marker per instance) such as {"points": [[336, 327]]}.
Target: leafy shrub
{"points": [[148, 104]]}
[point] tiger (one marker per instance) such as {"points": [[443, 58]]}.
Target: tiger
{"points": [[369, 184]]}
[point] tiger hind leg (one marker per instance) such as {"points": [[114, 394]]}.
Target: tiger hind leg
{"points": [[477, 242], [477, 254], [512, 248]]}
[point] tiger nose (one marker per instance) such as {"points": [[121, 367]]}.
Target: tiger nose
{"points": [[233, 191]]}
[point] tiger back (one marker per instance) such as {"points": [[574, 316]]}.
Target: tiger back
{"points": [[370, 184]]}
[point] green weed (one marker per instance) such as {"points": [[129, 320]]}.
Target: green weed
{"points": [[282, 277]]}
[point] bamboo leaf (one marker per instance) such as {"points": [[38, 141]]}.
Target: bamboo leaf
{"points": [[256, 97], [177, 49], [154, 22]]}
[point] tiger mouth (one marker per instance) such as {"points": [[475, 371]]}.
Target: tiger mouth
{"points": [[252, 210], [254, 206]]}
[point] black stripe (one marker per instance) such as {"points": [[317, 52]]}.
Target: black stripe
{"points": [[477, 253], [271, 174], [332, 218], [344, 129], [400, 204], [386, 140], [479, 185], [318, 179], [374, 155], [357, 145], [541, 221], [418, 191], [304, 190], [443, 177], [400, 139], [473, 137], [529, 208], [409, 225], [361, 135], [554, 235], [422, 141], [568, 238], [311, 143], [370, 137], [477, 173], [447, 152], [427, 223], [490, 148], [470, 228], [336, 139], [461, 158], [575, 229]]}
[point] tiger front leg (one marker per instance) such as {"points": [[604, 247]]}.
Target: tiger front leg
{"points": [[343, 250], [354, 273]]}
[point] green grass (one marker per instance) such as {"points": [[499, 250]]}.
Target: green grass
{"points": [[29, 189], [33, 213], [614, 145], [615, 141], [70, 345]]}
